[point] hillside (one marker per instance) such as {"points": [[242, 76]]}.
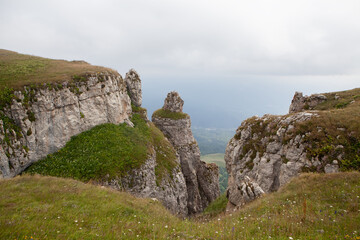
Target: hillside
{"points": [[313, 206], [320, 134], [109, 151], [18, 70]]}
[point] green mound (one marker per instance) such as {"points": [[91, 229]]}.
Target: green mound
{"points": [[313, 206], [17, 70], [161, 113], [108, 151]]}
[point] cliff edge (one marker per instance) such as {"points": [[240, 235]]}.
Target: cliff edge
{"points": [[320, 134], [202, 180]]}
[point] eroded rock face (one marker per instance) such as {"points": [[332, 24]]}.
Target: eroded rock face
{"points": [[133, 84], [202, 180], [48, 117], [173, 102], [301, 103], [246, 190], [266, 153], [171, 191]]}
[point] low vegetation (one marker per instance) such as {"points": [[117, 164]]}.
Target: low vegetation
{"points": [[108, 151], [313, 206], [18, 70], [334, 134], [161, 113]]}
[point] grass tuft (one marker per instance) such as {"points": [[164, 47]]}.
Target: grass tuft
{"points": [[161, 113]]}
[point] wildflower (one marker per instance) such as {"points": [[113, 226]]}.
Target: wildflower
{"points": [[290, 238], [218, 219], [76, 221], [166, 226]]}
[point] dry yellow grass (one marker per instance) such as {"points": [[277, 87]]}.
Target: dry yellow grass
{"points": [[18, 70]]}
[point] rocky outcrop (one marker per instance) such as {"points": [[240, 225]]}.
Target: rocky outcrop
{"points": [[40, 120], [301, 103], [133, 84], [266, 152], [143, 182], [202, 180], [173, 102]]}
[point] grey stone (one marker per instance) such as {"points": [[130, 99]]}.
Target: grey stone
{"points": [[133, 84], [331, 168], [61, 114], [202, 180], [301, 103], [173, 102]]}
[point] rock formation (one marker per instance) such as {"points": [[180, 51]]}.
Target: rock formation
{"points": [[300, 102], [45, 118], [266, 152], [40, 120], [133, 84], [142, 182], [202, 180]]}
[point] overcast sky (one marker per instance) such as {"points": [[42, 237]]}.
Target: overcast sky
{"points": [[228, 59]]}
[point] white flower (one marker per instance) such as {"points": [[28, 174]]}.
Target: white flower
{"points": [[290, 238], [166, 226]]}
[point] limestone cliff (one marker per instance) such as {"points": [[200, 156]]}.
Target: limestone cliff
{"points": [[39, 119], [267, 152], [170, 189], [202, 180], [44, 118]]}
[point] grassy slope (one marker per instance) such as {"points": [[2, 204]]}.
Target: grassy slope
{"points": [[17, 70], [338, 124], [312, 206], [108, 150]]}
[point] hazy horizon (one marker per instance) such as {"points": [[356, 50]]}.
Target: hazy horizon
{"points": [[228, 60]]}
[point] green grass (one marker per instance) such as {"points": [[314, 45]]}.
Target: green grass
{"points": [[161, 113], [345, 97], [313, 206], [18, 70], [333, 128], [108, 151], [216, 207]]}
